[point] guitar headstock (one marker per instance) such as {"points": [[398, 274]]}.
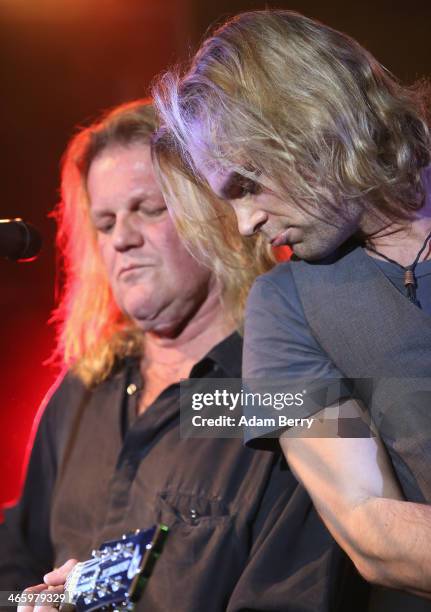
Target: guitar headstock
{"points": [[116, 575]]}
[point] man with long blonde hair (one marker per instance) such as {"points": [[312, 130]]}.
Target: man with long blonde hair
{"points": [[317, 147], [139, 313]]}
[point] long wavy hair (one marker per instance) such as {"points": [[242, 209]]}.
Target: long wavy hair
{"points": [[92, 332], [276, 94], [236, 261]]}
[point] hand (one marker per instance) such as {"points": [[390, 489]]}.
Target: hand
{"points": [[53, 583]]}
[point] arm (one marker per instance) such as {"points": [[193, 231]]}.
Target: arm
{"points": [[25, 545], [351, 483]]}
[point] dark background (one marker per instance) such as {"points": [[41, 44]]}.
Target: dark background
{"points": [[61, 62]]}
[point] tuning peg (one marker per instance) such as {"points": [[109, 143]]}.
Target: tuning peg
{"points": [[103, 590], [96, 554], [129, 548], [117, 584]]}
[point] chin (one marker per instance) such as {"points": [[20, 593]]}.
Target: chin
{"points": [[168, 328], [303, 252], [312, 252]]}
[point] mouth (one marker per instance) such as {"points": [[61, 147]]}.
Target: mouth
{"points": [[281, 239], [134, 267]]}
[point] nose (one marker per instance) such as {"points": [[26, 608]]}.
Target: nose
{"points": [[250, 221], [127, 234]]}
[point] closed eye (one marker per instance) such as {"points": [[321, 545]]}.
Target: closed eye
{"points": [[238, 186], [154, 212], [105, 225]]}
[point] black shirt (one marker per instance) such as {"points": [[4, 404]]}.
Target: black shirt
{"points": [[243, 534]]}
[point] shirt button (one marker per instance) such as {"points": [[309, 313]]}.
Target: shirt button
{"points": [[131, 389]]}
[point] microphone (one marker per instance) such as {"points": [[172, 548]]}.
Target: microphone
{"points": [[19, 240]]}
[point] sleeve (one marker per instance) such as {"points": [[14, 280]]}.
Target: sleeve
{"points": [[294, 564], [281, 353], [25, 547]]}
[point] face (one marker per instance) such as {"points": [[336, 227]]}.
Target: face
{"points": [[259, 209], [153, 277]]}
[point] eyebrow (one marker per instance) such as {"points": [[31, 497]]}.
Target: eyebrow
{"points": [[99, 214]]}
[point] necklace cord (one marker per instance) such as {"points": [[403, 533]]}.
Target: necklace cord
{"points": [[409, 271]]}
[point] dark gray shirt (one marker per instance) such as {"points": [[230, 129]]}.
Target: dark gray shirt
{"points": [[278, 339], [279, 342]]}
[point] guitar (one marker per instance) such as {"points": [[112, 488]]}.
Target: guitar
{"points": [[116, 575]]}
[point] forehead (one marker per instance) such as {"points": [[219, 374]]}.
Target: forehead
{"points": [[118, 170]]}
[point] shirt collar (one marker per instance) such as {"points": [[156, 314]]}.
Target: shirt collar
{"points": [[227, 355]]}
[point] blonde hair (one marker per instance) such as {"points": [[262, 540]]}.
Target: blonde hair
{"points": [[92, 333], [236, 261], [280, 95]]}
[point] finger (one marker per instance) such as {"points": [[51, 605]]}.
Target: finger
{"points": [[51, 603], [58, 576], [37, 588]]}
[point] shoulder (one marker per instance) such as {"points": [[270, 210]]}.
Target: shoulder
{"points": [[275, 325], [280, 278], [297, 280], [275, 295], [68, 392], [65, 404], [57, 408], [277, 335]]}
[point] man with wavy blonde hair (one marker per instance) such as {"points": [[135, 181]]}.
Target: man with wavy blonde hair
{"points": [[317, 147], [138, 314]]}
